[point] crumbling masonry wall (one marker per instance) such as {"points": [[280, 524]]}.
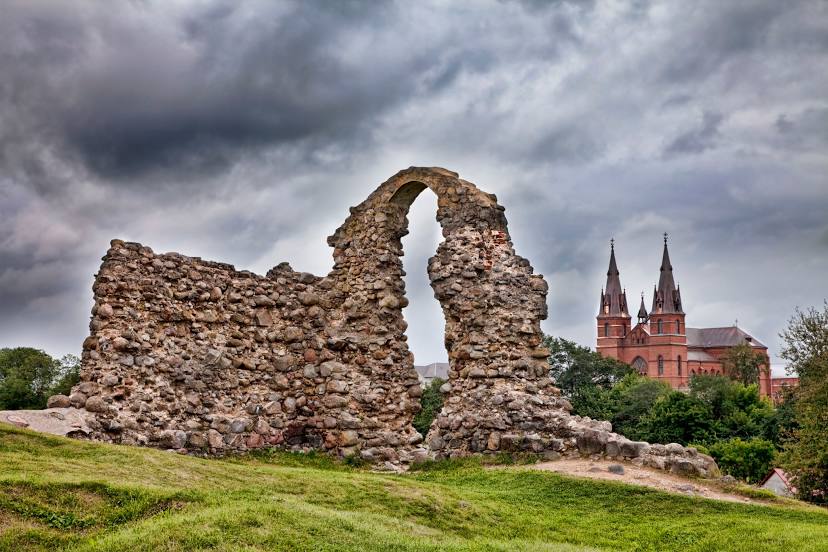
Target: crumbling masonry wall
{"points": [[193, 355]]}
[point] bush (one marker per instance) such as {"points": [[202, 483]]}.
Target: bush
{"points": [[678, 418], [747, 460], [738, 410], [630, 401], [431, 403]]}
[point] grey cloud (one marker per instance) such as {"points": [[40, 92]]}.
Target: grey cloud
{"points": [[698, 139], [806, 130]]}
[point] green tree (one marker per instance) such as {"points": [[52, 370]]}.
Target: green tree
{"points": [[744, 364], [583, 375], [806, 454], [738, 410], [68, 375], [786, 414], [749, 460], [26, 376], [431, 402], [630, 400], [678, 418]]}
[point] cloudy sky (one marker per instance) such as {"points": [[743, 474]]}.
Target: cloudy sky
{"points": [[243, 131]]}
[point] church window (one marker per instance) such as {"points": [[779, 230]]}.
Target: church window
{"points": [[678, 326], [606, 329], [660, 364], [660, 326], [679, 365], [640, 365]]}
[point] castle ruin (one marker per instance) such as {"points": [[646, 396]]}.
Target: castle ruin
{"points": [[193, 355]]}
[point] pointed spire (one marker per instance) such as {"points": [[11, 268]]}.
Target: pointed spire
{"points": [[642, 311], [666, 298], [613, 267], [613, 298]]}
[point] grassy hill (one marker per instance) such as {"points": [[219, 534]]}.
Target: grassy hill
{"points": [[64, 494]]}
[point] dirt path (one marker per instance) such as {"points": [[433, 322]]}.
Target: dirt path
{"points": [[647, 477]]}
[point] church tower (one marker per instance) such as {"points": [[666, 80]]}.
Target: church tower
{"points": [[668, 334], [613, 315]]}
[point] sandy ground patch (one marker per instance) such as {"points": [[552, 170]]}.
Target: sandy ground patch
{"points": [[647, 477]]}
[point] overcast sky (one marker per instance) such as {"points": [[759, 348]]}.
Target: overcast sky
{"points": [[243, 131]]}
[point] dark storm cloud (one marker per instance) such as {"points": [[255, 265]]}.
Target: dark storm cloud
{"points": [[242, 131], [137, 89], [192, 92], [698, 139]]}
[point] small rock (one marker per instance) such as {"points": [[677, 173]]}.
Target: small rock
{"points": [[617, 469], [95, 404], [348, 438], [58, 401]]}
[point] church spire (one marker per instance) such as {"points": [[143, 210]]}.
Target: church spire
{"points": [[666, 297], [642, 311], [613, 298]]}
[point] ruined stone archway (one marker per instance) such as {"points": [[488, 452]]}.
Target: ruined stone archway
{"points": [[194, 355]]}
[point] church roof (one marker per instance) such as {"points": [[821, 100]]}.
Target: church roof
{"points": [[700, 356], [666, 297], [433, 370], [728, 336], [613, 298], [642, 310]]}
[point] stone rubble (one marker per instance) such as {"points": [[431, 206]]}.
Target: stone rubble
{"points": [[195, 356]]}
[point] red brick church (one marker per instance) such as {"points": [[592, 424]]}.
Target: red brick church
{"points": [[660, 345]]}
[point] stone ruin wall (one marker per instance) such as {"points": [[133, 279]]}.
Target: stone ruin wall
{"points": [[195, 356]]}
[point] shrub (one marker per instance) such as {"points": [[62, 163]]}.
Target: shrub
{"points": [[747, 460], [678, 418], [630, 401], [431, 403]]}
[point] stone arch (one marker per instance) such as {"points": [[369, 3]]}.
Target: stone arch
{"points": [[491, 300]]}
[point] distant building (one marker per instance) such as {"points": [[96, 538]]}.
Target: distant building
{"points": [[778, 483], [428, 372], [660, 345], [778, 385]]}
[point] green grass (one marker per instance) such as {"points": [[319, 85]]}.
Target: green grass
{"points": [[61, 494]]}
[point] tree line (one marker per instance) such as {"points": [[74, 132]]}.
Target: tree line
{"points": [[724, 416], [28, 377]]}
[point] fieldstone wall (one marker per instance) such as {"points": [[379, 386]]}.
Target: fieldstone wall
{"points": [[193, 355]]}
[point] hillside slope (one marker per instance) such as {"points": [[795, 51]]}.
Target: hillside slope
{"points": [[59, 493]]}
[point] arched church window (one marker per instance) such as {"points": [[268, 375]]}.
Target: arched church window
{"points": [[660, 326], [640, 365], [606, 329], [679, 365], [660, 363]]}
